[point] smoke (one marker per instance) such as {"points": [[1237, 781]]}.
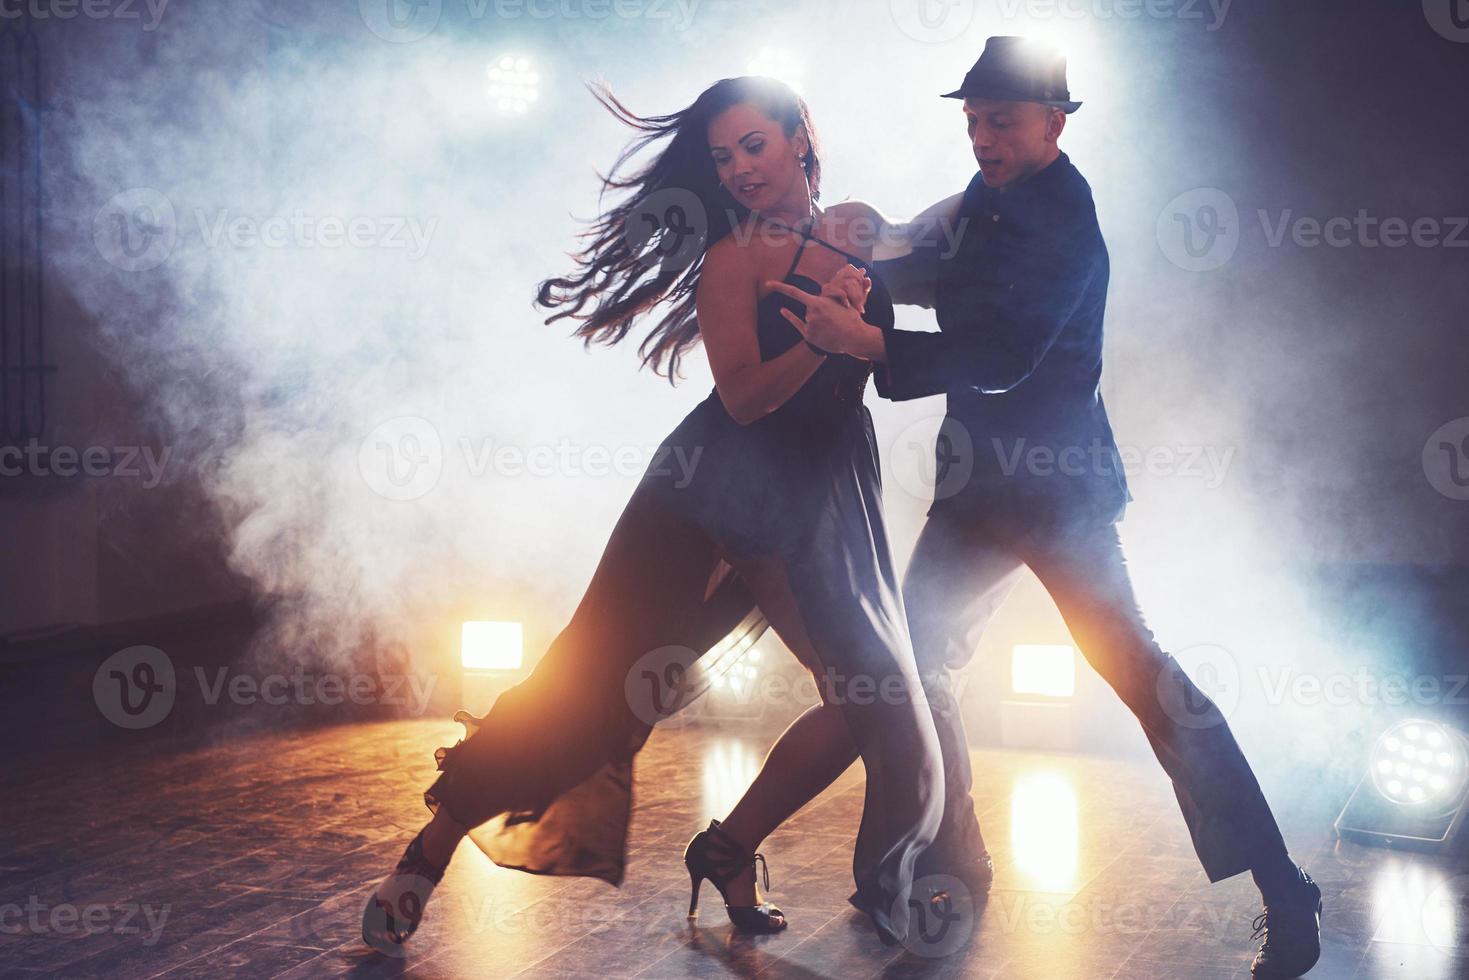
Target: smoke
{"points": [[294, 235], [313, 250]]}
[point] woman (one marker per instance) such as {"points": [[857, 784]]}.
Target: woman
{"points": [[779, 520]]}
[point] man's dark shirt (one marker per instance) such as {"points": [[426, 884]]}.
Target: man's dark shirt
{"points": [[1019, 305]]}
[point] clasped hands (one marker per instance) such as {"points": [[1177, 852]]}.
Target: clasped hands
{"points": [[833, 319]]}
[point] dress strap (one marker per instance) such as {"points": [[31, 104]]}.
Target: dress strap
{"points": [[796, 259], [823, 242]]}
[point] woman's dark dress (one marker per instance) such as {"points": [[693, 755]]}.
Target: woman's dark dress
{"points": [[546, 776]]}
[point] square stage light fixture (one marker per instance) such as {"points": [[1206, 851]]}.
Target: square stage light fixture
{"points": [[491, 646], [1043, 670], [1414, 792]]}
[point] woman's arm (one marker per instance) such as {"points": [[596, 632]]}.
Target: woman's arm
{"points": [[907, 255], [726, 300], [867, 230]]}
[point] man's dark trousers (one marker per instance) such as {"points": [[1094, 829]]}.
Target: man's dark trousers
{"points": [[961, 570]]}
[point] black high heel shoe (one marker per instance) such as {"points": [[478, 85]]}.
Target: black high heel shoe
{"points": [[388, 922], [715, 855]]}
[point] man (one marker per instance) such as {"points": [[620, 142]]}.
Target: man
{"points": [[1028, 475]]}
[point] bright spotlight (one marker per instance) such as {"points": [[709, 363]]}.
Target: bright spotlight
{"points": [[733, 694], [512, 84], [491, 646], [1415, 789], [778, 63], [1421, 765], [1045, 670]]}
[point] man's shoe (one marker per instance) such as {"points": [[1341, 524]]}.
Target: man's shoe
{"points": [[977, 875], [1292, 932]]}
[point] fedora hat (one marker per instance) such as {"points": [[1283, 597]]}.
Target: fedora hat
{"points": [[1017, 69]]}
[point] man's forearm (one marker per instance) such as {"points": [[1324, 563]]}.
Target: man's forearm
{"points": [[871, 346]]}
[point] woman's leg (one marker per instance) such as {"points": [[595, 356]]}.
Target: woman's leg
{"points": [[808, 756], [441, 837], [548, 738]]}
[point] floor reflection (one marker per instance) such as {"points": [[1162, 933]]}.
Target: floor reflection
{"points": [[729, 766], [1417, 905], [248, 892], [1044, 832]]}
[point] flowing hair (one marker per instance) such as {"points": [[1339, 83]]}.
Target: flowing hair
{"points": [[618, 276]]}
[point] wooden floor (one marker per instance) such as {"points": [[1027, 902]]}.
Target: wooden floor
{"points": [[254, 857]]}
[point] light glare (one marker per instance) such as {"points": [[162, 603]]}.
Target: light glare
{"points": [[1045, 670], [488, 645]]}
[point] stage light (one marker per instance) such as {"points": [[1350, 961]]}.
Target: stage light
{"points": [[777, 63], [1044, 670], [1039, 713], [512, 84], [1415, 789], [732, 692], [1428, 764], [488, 645]]}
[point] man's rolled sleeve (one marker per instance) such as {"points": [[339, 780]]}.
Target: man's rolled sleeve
{"points": [[997, 321]]}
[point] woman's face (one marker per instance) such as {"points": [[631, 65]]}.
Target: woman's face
{"points": [[756, 162]]}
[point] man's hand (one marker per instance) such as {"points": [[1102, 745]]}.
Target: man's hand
{"points": [[834, 318], [850, 286]]}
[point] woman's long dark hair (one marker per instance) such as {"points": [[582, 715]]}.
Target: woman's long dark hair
{"points": [[615, 276]]}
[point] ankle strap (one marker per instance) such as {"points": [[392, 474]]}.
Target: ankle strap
{"points": [[732, 857], [415, 862]]}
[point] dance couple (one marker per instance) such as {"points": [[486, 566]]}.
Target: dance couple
{"points": [[780, 521]]}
